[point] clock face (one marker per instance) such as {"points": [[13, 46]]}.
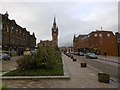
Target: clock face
{"points": [[54, 34], [54, 30]]}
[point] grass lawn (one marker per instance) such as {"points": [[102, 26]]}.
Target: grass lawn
{"points": [[31, 65], [57, 71]]}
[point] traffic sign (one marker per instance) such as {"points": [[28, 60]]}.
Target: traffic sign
{"points": [[118, 38]]}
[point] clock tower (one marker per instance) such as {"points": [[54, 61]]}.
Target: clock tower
{"points": [[55, 34]]}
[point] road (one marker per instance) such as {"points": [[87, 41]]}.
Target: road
{"points": [[7, 65], [100, 66]]}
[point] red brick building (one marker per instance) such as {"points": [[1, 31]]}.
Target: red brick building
{"points": [[98, 42]]}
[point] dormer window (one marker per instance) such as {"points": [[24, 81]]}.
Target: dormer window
{"points": [[100, 35], [95, 35], [108, 35], [12, 28]]}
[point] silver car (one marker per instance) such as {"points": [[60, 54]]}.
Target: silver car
{"points": [[91, 56], [4, 56]]}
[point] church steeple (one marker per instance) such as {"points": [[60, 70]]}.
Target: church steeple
{"points": [[55, 34], [74, 38], [54, 23], [6, 14]]}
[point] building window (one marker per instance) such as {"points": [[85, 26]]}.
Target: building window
{"points": [[100, 35], [95, 35], [108, 35], [88, 35], [20, 31], [7, 29], [12, 28], [2, 26]]}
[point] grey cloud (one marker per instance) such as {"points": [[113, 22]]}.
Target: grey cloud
{"points": [[72, 18]]}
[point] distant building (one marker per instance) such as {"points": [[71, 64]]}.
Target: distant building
{"points": [[78, 43], [14, 37], [54, 42], [67, 49], [98, 42]]}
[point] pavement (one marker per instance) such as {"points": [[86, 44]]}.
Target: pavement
{"points": [[113, 59], [79, 78], [7, 65]]}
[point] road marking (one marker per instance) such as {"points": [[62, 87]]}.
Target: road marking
{"points": [[111, 77]]}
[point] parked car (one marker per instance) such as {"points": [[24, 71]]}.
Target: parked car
{"points": [[76, 53], [81, 53], [91, 56], [33, 52], [72, 52], [27, 52], [4, 56]]}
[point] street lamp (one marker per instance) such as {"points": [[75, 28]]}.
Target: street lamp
{"points": [[101, 42]]}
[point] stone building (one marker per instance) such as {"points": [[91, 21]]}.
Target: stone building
{"points": [[14, 37], [54, 42], [98, 41]]}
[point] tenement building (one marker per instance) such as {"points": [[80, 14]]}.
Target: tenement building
{"points": [[98, 41], [14, 37], [54, 42]]}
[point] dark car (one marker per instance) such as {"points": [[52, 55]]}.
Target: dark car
{"points": [[4, 56]]}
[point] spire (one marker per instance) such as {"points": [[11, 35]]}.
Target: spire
{"points": [[54, 23], [54, 17], [101, 28], [33, 34], [74, 37]]}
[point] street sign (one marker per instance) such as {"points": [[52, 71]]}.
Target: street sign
{"points": [[118, 38]]}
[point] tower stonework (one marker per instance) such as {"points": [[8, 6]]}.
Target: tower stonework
{"points": [[54, 42], [55, 34]]}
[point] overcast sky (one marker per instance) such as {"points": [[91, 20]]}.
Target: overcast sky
{"points": [[71, 17]]}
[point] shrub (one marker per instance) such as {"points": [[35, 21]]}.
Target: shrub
{"points": [[51, 58], [24, 62], [45, 58]]}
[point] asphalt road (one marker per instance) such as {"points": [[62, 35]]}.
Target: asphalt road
{"points": [[100, 66], [8, 65]]}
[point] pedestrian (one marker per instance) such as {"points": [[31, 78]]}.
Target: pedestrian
{"points": [[105, 54]]}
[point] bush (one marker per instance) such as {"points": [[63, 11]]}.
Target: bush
{"points": [[24, 62], [45, 58]]}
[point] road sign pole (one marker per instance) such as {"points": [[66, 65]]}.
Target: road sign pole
{"points": [[118, 50]]}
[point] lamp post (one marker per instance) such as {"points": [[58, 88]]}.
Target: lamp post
{"points": [[101, 42], [118, 42]]}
